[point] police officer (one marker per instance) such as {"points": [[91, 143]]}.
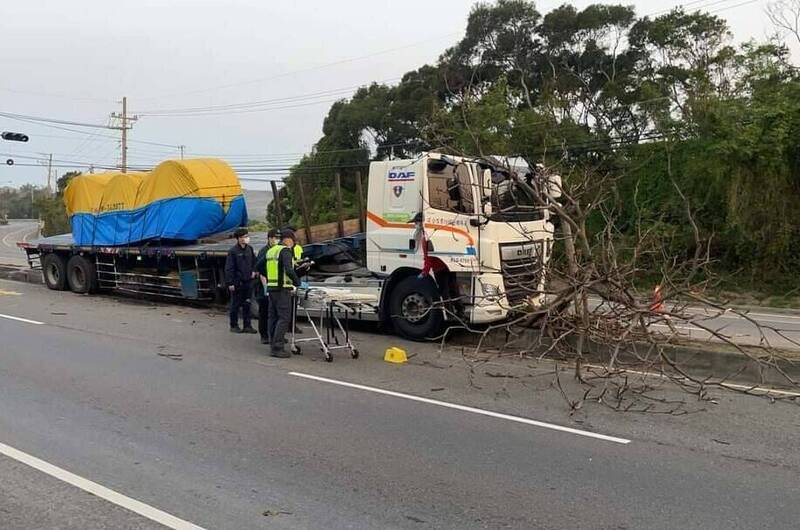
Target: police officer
{"points": [[239, 274], [273, 238], [281, 280]]}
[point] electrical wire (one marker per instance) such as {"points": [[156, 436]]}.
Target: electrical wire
{"points": [[262, 102], [53, 120], [78, 131], [303, 70]]}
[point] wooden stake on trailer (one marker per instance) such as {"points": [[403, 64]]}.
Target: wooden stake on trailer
{"points": [[304, 208], [339, 210], [362, 211], [276, 201]]}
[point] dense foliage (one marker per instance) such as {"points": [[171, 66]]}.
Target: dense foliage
{"points": [[663, 103]]}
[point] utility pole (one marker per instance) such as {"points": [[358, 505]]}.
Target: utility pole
{"points": [[182, 147], [124, 126], [49, 172]]}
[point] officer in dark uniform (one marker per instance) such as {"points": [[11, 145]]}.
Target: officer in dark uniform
{"points": [[273, 238], [239, 273]]}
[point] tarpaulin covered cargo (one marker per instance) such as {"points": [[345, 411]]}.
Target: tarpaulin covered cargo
{"points": [[180, 200], [83, 194]]}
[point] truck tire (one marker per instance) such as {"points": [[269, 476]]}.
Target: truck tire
{"points": [[412, 309], [81, 275], [54, 270]]}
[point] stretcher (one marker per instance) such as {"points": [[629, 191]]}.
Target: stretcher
{"points": [[334, 307]]}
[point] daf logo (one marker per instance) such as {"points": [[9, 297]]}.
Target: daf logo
{"points": [[524, 251], [398, 175]]}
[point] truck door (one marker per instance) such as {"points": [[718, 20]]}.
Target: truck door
{"points": [[396, 199]]}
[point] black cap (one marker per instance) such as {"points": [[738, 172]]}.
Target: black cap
{"points": [[240, 232], [274, 232], [288, 233]]}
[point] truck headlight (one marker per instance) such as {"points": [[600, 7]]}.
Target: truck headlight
{"points": [[490, 289]]}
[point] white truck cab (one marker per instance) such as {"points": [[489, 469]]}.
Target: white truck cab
{"points": [[456, 239]]}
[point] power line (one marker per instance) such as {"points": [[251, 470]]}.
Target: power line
{"points": [[52, 120], [244, 111], [262, 102], [61, 128], [734, 6], [302, 70]]}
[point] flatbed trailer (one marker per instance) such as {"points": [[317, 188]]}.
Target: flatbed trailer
{"points": [[183, 271], [172, 271]]}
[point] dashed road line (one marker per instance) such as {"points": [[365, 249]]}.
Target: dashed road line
{"points": [[145, 510], [464, 408]]}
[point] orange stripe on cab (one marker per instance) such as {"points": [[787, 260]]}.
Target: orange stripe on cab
{"points": [[380, 221]]}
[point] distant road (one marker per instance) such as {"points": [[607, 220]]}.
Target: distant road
{"points": [[257, 202], [10, 234]]}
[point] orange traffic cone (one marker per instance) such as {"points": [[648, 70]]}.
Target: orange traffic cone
{"points": [[658, 300]]}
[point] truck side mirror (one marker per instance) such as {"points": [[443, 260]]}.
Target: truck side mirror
{"points": [[486, 184]]}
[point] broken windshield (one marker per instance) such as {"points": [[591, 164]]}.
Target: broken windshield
{"points": [[511, 201]]}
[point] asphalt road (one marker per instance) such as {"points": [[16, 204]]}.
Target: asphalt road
{"points": [[163, 406], [15, 231], [779, 329]]}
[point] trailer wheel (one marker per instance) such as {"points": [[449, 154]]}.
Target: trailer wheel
{"points": [[82, 275], [413, 311], [54, 270]]}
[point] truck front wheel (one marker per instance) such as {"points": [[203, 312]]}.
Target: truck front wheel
{"points": [[413, 309], [81, 275], [54, 270]]}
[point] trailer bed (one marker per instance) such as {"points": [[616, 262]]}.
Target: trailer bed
{"points": [[214, 246]]}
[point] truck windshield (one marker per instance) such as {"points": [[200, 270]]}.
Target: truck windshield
{"points": [[512, 202]]}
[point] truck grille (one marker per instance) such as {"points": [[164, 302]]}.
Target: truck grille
{"points": [[522, 269]]}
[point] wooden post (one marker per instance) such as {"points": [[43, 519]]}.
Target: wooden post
{"points": [[339, 212], [362, 209], [304, 208], [276, 201]]}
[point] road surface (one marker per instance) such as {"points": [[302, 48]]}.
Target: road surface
{"points": [[164, 407], [781, 329], [14, 231]]}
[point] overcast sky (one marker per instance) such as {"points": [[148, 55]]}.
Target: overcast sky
{"points": [[74, 60]]}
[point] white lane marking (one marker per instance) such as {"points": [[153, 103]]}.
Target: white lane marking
{"points": [[464, 408], [14, 233], [18, 319], [771, 315], [145, 510], [683, 328], [765, 389]]}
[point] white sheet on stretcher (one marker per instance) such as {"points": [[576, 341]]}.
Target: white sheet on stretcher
{"points": [[330, 294]]}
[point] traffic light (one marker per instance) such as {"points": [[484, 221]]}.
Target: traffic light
{"points": [[14, 137]]}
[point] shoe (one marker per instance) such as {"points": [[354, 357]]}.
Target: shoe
{"points": [[249, 330], [264, 341], [236, 330], [282, 354]]}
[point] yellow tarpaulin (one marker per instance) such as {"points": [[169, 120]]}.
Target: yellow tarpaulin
{"points": [[85, 192], [121, 192], [202, 177], [113, 191]]}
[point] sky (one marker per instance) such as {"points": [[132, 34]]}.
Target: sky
{"points": [[74, 61]]}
